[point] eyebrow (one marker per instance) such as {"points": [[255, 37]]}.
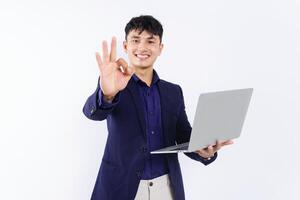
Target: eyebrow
{"points": [[138, 37]]}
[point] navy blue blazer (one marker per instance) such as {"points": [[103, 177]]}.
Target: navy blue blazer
{"points": [[126, 146]]}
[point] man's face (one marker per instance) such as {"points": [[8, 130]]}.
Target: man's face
{"points": [[142, 49]]}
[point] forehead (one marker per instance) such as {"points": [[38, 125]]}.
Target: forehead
{"points": [[143, 35]]}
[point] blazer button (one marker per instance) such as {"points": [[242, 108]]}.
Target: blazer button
{"points": [[92, 109], [144, 149]]}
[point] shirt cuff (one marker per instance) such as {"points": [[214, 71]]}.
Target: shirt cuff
{"points": [[103, 104], [210, 159]]}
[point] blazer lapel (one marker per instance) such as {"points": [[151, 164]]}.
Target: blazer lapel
{"points": [[163, 93], [139, 103]]}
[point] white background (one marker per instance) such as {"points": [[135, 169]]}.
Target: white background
{"points": [[50, 151]]}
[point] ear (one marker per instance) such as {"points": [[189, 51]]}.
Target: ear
{"points": [[125, 46], [161, 46]]}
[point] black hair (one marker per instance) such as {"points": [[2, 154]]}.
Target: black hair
{"points": [[144, 23]]}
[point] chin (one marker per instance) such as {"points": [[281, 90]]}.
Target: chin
{"points": [[142, 65]]}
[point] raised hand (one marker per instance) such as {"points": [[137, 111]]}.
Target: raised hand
{"points": [[114, 74]]}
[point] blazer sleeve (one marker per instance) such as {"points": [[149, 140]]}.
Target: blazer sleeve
{"points": [[183, 133], [96, 108]]}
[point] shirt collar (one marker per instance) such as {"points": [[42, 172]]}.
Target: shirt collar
{"points": [[155, 78]]}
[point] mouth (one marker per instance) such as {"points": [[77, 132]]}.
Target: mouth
{"points": [[142, 56]]}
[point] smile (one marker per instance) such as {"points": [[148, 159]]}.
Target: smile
{"points": [[142, 56]]}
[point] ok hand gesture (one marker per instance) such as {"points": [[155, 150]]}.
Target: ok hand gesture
{"points": [[114, 74]]}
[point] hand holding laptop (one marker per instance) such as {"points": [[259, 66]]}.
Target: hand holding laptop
{"points": [[219, 117], [209, 151]]}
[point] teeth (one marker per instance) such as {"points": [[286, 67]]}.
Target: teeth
{"points": [[142, 56]]}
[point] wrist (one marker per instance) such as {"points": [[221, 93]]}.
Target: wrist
{"points": [[109, 98]]}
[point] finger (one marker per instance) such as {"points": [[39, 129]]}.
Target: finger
{"points": [[130, 71], [210, 150], [228, 142], [217, 146], [202, 153], [122, 63], [99, 61], [222, 144], [113, 49], [105, 52]]}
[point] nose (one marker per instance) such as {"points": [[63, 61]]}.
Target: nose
{"points": [[142, 46]]}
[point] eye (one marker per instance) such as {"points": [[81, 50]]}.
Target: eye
{"points": [[151, 42], [134, 41]]}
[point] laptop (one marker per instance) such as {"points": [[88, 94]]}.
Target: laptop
{"points": [[219, 116]]}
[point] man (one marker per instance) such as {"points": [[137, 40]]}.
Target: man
{"points": [[143, 113]]}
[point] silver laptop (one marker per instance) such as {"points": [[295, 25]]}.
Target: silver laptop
{"points": [[219, 116]]}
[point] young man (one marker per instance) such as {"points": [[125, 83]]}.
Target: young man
{"points": [[143, 113]]}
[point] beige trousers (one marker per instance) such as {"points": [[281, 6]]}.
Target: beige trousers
{"points": [[155, 189]]}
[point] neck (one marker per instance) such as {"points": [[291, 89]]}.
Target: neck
{"points": [[145, 74]]}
